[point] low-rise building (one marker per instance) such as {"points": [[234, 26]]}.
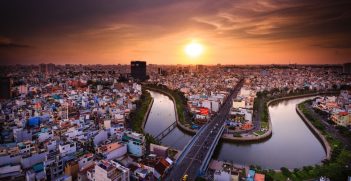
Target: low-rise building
{"points": [[66, 148], [112, 150], [110, 171], [135, 142]]}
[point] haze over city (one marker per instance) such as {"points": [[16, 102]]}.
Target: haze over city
{"points": [[230, 32]]}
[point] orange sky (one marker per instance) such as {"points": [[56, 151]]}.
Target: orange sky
{"points": [[232, 32]]}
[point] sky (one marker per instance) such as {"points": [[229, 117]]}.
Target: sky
{"points": [[157, 31]]}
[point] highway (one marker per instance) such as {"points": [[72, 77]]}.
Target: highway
{"points": [[201, 149]]}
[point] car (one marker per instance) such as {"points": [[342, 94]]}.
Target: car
{"points": [[185, 177]]}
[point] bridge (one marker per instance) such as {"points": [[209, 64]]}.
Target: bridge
{"points": [[166, 131], [197, 154]]}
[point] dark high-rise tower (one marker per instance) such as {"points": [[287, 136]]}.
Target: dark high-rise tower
{"points": [[347, 68], [5, 88], [138, 70], [50, 68], [42, 68]]}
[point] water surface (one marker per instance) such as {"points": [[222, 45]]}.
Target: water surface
{"points": [[292, 144], [161, 116]]}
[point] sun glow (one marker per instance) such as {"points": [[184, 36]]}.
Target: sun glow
{"points": [[193, 49]]}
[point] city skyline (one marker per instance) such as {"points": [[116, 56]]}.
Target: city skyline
{"points": [[155, 122], [240, 32]]}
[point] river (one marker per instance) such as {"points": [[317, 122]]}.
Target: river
{"points": [[292, 144], [161, 116]]}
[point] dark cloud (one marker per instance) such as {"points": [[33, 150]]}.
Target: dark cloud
{"points": [[282, 20], [13, 45], [41, 23], [27, 17], [270, 19], [335, 45], [7, 43]]}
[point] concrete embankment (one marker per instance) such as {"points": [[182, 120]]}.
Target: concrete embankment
{"points": [[269, 133], [316, 132], [179, 124], [230, 137], [224, 136], [147, 112]]}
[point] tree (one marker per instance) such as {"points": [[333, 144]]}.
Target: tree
{"points": [[285, 171]]}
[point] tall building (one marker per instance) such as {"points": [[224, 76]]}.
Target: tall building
{"points": [[161, 71], [347, 68], [42, 68], [138, 70], [47, 68], [200, 68], [5, 88], [50, 68]]}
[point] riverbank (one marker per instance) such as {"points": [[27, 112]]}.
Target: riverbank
{"points": [[139, 116], [335, 168], [231, 137], [338, 159], [269, 132], [179, 109], [295, 173], [316, 132], [147, 113]]}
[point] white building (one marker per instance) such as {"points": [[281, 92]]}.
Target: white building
{"points": [[238, 104], [85, 161], [108, 171], [100, 136], [10, 170], [73, 133], [43, 136], [135, 143], [222, 176], [21, 134], [67, 148], [206, 104], [112, 150], [215, 106], [51, 145]]}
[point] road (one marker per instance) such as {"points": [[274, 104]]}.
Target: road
{"points": [[329, 128], [197, 153]]}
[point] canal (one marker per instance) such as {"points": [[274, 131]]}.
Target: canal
{"points": [[161, 116], [292, 144]]}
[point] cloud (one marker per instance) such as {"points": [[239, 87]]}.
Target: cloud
{"points": [[335, 45], [284, 20], [13, 45], [73, 28], [267, 19], [6, 43]]}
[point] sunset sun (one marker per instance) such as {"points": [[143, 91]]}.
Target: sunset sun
{"points": [[193, 49]]}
